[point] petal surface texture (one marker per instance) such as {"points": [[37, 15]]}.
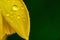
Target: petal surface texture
{"points": [[14, 17]]}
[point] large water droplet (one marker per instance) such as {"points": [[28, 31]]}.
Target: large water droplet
{"points": [[15, 8]]}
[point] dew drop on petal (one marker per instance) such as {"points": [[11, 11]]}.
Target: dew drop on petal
{"points": [[15, 8], [7, 14], [18, 17], [8, 1]]}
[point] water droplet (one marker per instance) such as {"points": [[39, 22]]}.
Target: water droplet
{"points": [[8, 1], [7, 15], [15, 8], [18, 17]]}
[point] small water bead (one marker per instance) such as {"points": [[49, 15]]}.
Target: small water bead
{"points": [[18, 17], [15, 8], [7, 14], [8, 1]]}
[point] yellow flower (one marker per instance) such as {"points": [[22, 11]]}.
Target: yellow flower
{"points": [[14, 18]]}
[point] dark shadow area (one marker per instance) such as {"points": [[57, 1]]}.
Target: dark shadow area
{"points": [[14, 37]]}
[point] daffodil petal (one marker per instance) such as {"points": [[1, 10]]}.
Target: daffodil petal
{"points": [[4, 37], [17, 15], [2, 34], [7, 28]]}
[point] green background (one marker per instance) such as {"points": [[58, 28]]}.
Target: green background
{"points": [[45, 20]]}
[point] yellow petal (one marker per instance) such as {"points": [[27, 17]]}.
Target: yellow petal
{"points": [[2, 34], [7, 28], [17, 16]]}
